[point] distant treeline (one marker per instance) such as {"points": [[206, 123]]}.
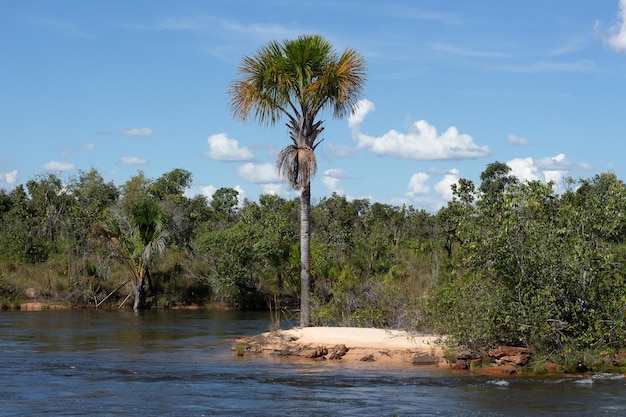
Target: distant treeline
{"points": [[505, 262]]}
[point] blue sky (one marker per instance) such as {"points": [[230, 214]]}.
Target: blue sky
{"points": [[128, 86]]}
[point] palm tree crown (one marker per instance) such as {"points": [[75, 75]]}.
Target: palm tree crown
{"points": [[298, 79]]}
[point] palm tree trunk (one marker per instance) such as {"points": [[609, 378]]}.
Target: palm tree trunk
{"points": [[305, 256], [139, 289]]}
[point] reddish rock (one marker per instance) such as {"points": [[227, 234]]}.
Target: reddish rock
{"points": [[315, 353], [510, 355], [550, 367], [423, 359], [338, 352], [460, 364]]}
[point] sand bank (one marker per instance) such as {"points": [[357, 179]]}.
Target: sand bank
{"points": [[348, 344]]}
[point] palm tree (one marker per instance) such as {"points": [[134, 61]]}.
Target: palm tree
{"points": [[298, 79], [136, 240]]}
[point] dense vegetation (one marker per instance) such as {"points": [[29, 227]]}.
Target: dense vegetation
{"points": [[504, 262]]}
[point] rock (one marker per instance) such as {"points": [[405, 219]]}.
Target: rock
{"points": [[460, 365], [550, 367], [423, 359], [368, 358], [338, 352], [465, 355], [496, 371], [504, 355], [315, 353]]}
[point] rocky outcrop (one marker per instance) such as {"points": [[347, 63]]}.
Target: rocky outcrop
{"points": [[318, 352], [510, 355], [339, 351], [421, 358], [499, 362]]}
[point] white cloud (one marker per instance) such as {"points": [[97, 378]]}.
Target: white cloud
{"points": [[421, 142], [205, 190], [516, 140], [417, 184], [58, 166], [546, 169], [258, 173], [138, 131], [363, 108], [9, 178], [525, 169], [208, 191], [241, 196], [132, 160], [90, 146], [444, 187], [221, 148], [561, 163], [332, 180], [616, 36], [274, 188]]}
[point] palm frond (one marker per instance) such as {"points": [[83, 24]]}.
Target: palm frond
{"points": [[297, 164]]}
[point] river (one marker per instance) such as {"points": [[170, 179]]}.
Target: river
{"points": [[180, 363]]}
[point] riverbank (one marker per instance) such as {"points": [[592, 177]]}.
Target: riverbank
{"points": [[348, 344]]}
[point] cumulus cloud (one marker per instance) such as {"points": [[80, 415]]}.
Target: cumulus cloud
{"points": [[133, 160], [554, 168], [58, 166], [431, 198], [222, 148], [516, 140], [444, 187], [525, 169], [332, 180], [241, 196], [275, 188], [421, 142], [561, 163], [615, 38], [90, 147], [138, 131], [204, 190], [258, 173], [363, 108], [208, 190], [9, 178], [417, 184]]}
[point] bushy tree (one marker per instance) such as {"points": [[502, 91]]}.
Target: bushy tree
{"points": [[534, 272]]}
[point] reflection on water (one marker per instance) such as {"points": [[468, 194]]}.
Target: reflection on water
{"points": [[179, 363]]}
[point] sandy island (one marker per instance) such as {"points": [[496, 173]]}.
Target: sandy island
{"points": [[346, 344]]}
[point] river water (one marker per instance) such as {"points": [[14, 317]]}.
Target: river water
{"points": [[180, 363]]}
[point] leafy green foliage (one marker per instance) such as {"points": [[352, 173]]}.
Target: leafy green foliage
{"points": [[539, 270]]}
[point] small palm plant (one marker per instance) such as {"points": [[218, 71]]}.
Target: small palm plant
{"points": [[136, 240]]}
